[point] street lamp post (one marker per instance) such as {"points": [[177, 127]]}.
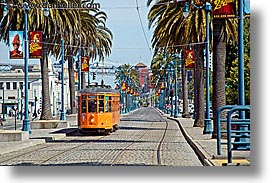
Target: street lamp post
{"points": [[176, 88], [241, 88], [26, 121], [208, 125], [207, 7], [62, 115], [172, 92], [3, 104]]}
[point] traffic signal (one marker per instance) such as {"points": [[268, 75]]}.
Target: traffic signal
{"points": [[94, 75]]}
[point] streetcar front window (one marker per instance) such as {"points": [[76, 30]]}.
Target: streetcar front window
{"points": [[91, 105]]}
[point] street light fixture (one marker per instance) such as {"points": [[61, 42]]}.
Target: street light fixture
{"points": [[207, 7]]}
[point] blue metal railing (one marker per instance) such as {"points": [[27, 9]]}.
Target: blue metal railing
{"points": [[241, 133]]}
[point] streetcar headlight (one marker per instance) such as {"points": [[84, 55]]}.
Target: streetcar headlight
{"points": [[92, 119]]}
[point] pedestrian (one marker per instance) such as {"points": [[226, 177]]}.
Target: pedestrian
{"points": [[34, 115]]}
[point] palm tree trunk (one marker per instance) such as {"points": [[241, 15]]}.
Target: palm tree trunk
{"points": [[46, 103], [219, 56], [83, 80], [71, 84], [185, 112], [199, 120]]}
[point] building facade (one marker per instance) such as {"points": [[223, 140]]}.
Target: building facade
{"points": [[12, 87]]}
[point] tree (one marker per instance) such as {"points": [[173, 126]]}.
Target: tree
{"points": [[173, 31], [127, 73], [232, 69], [61, 23]]}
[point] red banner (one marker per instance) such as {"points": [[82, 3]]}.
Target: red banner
{"points": [[123, 87], [75, 76], [189, 59], [224, 8], [132, 91], [162, 86], [16, 41], [85, 64], [35, 43]]}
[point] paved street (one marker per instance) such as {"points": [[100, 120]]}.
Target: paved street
{"points": [[145, 138]]}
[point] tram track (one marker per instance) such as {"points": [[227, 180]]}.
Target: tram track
{"points": [[157, 150], [48, 145], [68, 150], [161, 142], [140, 142]]}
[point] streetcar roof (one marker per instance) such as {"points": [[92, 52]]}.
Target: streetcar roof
{"points": [[97, 90]]}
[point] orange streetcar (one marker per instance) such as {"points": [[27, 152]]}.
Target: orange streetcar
{"points": [[98, 110]]}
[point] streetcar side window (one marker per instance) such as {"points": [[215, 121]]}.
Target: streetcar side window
{"points": [[84, 106], [101, 106], [110, 106]]}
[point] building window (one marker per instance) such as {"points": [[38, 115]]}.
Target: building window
{"points": [[14, 85], [1, 85], [29, 86], [8, 85], [21, 85]]}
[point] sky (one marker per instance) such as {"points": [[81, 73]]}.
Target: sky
{"points": [[129, 43]]}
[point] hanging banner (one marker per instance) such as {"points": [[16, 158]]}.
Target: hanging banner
{"points": [[189, 59], [16, 44], [75, 76], [132, 91], [224, 8], [123, 88], [85, 64], [35, 44], [128, 89], [162, 86]]}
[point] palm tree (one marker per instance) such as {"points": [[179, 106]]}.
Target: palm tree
{"points": [[96, 41], [59, 24], [224, 30], [172, 31], [164, 16], [127, 73]]}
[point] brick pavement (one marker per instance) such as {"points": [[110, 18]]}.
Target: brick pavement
{"points": [[206, 147]]}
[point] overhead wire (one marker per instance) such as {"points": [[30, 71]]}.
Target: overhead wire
{"points": [[143, 27]]}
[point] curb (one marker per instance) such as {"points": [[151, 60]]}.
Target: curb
{"points": [[201, 153]]}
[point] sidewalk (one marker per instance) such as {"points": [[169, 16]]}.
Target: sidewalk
{"points": [[203, 145], [37, 136], [206, 148]]}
